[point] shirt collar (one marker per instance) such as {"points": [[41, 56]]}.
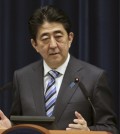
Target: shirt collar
{"points": [[61, 69]]}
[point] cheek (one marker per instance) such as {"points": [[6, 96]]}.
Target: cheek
{"points": [[64, 46], [43, 50]]}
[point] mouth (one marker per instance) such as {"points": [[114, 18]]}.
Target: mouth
{"points": [[53, 53]]}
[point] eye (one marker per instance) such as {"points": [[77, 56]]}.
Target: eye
{"points": [[44, 38], [58, 37]]}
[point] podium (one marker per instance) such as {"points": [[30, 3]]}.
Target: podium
{"points": [[35, 129]]}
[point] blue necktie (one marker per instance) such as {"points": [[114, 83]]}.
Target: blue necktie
{"points": [[50, 94]]}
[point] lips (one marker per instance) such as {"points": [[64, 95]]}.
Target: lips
{"points": [[53, 53]]}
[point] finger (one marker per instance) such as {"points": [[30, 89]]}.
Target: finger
{"points": [[68, 128], [2, 116], [79, 121], [78, 115], [79, 127], [75, 126]]}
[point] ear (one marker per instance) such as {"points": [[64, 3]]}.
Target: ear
{"points": [[71, 36], [34, 44]]}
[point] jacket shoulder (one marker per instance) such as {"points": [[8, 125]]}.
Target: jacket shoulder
{"points": [[85, 65], [29, 67]]}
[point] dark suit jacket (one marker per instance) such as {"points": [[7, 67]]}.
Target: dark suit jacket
{"points": [[29, 95]]}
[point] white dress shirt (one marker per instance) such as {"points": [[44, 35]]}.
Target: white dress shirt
{"points": [[60, 69]]}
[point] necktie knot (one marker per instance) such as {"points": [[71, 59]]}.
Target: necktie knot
{"points": [[54, 74]]}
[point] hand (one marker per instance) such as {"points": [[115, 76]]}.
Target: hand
{"points": [[4, 121], [80, 123]]}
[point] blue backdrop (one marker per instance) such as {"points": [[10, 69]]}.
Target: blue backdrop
{"points": [[96, 28]]}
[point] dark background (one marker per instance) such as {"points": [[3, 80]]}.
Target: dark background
{"points": [[96, 28]]}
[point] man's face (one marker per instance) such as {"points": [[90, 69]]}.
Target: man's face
{"points": [[53, 43]]}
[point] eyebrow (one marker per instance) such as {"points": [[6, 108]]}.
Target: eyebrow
{"points": [[44, 34], [55, 32], [58, 31]]}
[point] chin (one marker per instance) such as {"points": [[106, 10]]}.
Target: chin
{"points": [[55, 61], [54, 64]]}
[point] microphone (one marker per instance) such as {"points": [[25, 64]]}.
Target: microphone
{"points": [[86, 94], [6, 86]]}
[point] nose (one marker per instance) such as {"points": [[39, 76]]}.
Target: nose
{"points": [[53, 43]]}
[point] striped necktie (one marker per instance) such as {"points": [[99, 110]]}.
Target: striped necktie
{"points": [[50, 94]]}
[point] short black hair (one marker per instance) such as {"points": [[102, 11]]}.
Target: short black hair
{"points": [[50, 14]]}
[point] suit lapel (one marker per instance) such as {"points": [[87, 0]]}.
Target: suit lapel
{"points": [[68, 87], [38, 88]]}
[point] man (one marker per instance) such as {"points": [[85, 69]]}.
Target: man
{"points": [[83, 97]]}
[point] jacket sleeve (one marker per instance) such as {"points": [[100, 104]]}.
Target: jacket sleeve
{"points": [[16, 105], [105, 118]]}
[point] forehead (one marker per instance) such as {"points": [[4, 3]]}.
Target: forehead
{"points": [[51, 28]]}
